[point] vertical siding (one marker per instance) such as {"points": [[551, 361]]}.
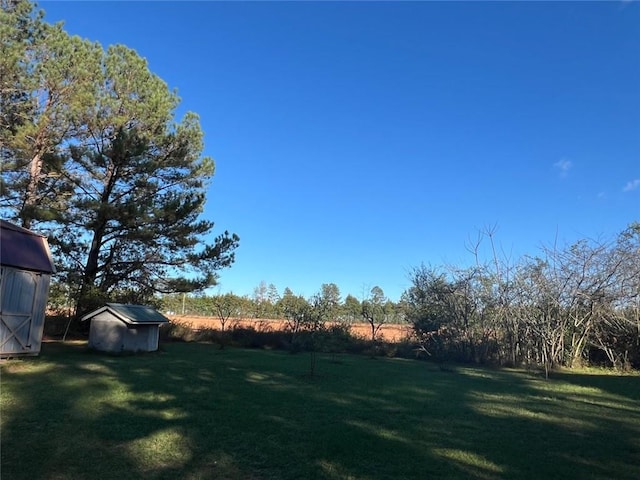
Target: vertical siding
{"points": [[39, 312], [23, 301], [154, 338], [107, 333]]}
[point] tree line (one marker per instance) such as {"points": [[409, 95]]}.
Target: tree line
{"points": [[374, 309], [93, 155], [569, 306], [319, 323]]}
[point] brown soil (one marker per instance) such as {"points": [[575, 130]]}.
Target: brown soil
{"points": [[389, 332]]}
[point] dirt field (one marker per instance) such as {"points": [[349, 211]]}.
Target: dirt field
{"points": [[390, 333]]}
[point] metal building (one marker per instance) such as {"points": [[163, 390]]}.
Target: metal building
{"points": [[25, 274], [125, 328]]}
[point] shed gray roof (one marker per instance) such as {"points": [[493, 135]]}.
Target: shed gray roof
{"points": [[131, 314], [24, 249]]}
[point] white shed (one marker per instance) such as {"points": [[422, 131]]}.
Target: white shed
{"points": [[25, 274], [117, 327]]}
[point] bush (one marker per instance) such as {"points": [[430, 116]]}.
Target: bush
{"points": [[177, 332], [248, 337]]}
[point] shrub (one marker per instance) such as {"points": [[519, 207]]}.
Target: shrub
{"points": [[333, 339], [177, 331]]}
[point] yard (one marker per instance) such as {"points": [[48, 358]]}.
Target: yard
{"points": [[193, 411]]}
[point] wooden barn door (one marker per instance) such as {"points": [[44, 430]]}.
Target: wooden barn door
{"points": [[18, 295]]}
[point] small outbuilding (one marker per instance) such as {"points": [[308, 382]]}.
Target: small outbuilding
{"points": [[117, 327], [26, 267]]}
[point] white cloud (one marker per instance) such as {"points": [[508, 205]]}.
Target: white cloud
{"points": [[564, 166], [632, 185]]}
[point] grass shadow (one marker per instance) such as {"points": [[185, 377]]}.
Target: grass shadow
{"points": [[194, 411]]}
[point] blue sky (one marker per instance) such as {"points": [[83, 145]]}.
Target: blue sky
{"points": [[355, 140]]}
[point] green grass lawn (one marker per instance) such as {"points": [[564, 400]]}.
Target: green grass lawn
{"points": [[192, 411]]}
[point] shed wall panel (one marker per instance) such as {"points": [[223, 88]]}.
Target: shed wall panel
{"points": [[39, 312], [107, 334], [23, 301]]}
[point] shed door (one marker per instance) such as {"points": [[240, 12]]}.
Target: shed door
{"points": [[18, 290]]}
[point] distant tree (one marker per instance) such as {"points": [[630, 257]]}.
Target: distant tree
{"points": [[327, 302], [273, 297], [226, 306], [260, 298], [246, 308], [374, 311], [351, 308], [171, 304], [260, 292], [272, 294], [323, 307], [393, 312], [296, 311]]}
